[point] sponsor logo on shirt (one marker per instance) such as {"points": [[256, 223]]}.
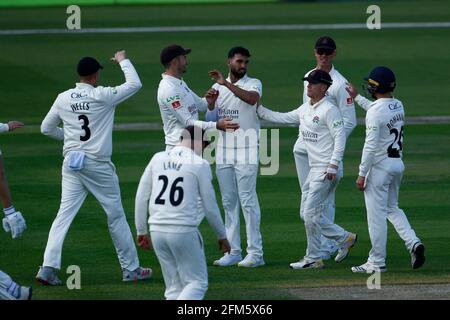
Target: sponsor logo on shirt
{"points": [[173, 98], [176, 105], [77, 95], [338, 123], [226, 113], [193, 109], [349, 100], [309, 136], [316, 120], [394, 106], [371, 128]]}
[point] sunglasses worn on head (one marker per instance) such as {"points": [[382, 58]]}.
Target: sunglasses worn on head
{"points": [[326, 51]]}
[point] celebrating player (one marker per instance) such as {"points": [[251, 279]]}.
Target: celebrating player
{"points": [[322, 130], [12, 222], [381, 170], [87, 114], [325, 52], [237, 157], [179, 105], [169, 190]]}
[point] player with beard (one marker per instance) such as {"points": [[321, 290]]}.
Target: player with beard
{"points": [[237, 157]]}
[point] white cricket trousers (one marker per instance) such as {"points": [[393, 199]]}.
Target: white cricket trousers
{"points": [[315, 205], [237, 183], [100, 179], [6, 286], [381, 197], [328, 246], [183, 264]]}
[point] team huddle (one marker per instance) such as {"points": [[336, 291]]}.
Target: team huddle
{"points": [[176, 192]]}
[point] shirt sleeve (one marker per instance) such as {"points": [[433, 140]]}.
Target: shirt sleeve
{"points": [[363, 102], [49, 125], [181, 112], [209, 201], [335, 124], [201, 103], [4, 127], [370, 144], [132, 84], [141, 204], [292, 117], [256, 86], [347, 108]]}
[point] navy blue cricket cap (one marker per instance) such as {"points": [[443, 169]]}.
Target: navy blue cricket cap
{"points": [[319, 76], [325, 43], [88, 66], [171, 52]]}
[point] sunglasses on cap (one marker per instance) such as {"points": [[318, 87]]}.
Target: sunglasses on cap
{"points": [[325, 51]]}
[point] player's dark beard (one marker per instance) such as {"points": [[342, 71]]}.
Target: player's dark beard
{"points": [[238, 73]]}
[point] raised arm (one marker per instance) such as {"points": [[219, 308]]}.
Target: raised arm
{"points": [[132, 84], [359, 99], [250, 96], [347, 109]]}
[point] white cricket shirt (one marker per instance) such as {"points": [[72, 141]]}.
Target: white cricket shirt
{"points": [[385, 119], [169, 190], [179, 107], [228, 105], [321, 127], [87, 114], [339, 97]]}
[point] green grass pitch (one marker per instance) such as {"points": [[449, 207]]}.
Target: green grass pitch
{"points": [[36, 68]]}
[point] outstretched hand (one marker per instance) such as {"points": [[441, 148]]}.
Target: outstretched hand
{"points": [[351, 90], [13, 125], [217, 77]]}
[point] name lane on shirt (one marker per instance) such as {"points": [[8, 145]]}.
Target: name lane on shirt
{"points": [[169, 165]]}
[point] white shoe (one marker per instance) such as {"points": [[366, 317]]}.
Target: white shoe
{"points": [[16, 292], [368, 268], [48, 277], [417, 255], [138, 274], [307, 264], [345, 247], [251, 261], [228, 260]]}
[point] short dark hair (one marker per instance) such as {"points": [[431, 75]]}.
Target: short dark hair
{"points": [[238, 50]]}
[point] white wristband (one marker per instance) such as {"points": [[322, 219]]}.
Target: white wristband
{"points": [[332, 170], [9, 210]]}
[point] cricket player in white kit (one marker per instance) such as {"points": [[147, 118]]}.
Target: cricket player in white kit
{"points": [[168, 191], [87, 114], [322, 129], [237, 157], [325, 52], [12, 222], [178, 104], [381, 171]]}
